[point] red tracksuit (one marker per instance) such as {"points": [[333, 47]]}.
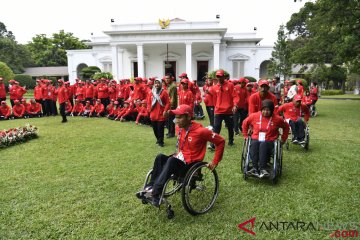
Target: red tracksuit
{"points": [[156, 112], [5, 111], [192, 143], [255, 101], [293, 113], [34, 108], [18, 110], [271, 130], [186, 97], [224, 97]]}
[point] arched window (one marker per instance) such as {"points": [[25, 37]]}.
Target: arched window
{"points": [[264, 73], [79, 68]]}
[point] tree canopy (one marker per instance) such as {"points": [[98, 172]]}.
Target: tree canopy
{"points": [[15, 55], [52, 51], [327, 31]]}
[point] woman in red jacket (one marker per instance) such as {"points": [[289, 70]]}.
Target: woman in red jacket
{"points": [[158, 105], [264, 127]]}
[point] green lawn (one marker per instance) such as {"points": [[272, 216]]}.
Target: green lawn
{"points": [[78, 181], [341, 96]]}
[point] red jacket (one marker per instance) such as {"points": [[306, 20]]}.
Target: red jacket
{"points": [[224, 97], [34, 108], [16, 92], [157, 111], [186, 97], [110, 109], [5, 111], [102, 90], [48, 92], [38, 93], [78, 108], [208, 98], [242, 96], [98, 108], [89, 91], [255, 101], [80, 93], [271, 130], [2, 90], [192, 143], [18, 110], [68, 107], [314, 93], [139, 92], [293, 113], [307, 100], [300, 90], [62, 94]]}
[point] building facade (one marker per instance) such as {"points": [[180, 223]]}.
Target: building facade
{"points": [[152, 50]]}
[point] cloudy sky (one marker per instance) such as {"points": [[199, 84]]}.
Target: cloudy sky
{"points": [[82, 17]]}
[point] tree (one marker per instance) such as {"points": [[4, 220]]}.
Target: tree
{"points": [[52, 51], [6, 72], [280, 63], [15, 55], [88, 72], [329, 32]]}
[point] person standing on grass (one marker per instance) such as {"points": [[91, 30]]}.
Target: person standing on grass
{"points": [[62, 98], [172, 90], [225, 101], [208, 100], [242, 105], [190, 149], [158, 105]]}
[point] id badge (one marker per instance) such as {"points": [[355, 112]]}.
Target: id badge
{"points": [[262, 136], [180, 156]]}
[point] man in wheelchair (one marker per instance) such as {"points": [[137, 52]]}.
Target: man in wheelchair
{"points": [[263, 126], [191, 148], [297, 115]]}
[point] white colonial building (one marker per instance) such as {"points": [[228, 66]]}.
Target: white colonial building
{"points": [[150, 50]]}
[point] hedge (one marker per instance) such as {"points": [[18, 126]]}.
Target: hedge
{"points": [[251, 79], [25, 80], [6, 73], [331, 92]]}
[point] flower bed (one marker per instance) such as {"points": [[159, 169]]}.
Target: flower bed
{"points": [[17, 135]]}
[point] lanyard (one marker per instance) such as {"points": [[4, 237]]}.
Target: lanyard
{"points": [[268, 126], [179, 136]]}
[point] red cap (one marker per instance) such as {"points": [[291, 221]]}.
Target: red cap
{"points": [[250, 84], [262, 82], [1, 78], [16, 101], [299, 81], [60, 81], [32, 100], [23, 100], [138, 79], [116, 102], [220, 73], [11, 80], [297, 98], [182, 109], [184, 80], [3, 102], [183, 75], [287, 81]]}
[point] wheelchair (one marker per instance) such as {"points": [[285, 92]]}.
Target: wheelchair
{"points": [[199, 189], [274, 165], [306, 139]]}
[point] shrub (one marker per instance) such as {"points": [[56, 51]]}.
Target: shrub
{"points": [[331, 92], [251, 79], [25, 80], [99, 75], [6, 73], [88, 72]]}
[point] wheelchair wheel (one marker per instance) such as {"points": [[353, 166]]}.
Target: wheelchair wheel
{"points": [[244, 154], [307, 138], [277, 162], [172, 186], [200, 189]]}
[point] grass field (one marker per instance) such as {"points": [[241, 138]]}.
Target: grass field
{"points": [[78, 180], [346, 96]]}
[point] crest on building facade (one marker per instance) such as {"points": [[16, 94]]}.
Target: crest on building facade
{"points": [[164, 23]]}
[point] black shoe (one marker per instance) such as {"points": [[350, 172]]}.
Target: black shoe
{"points": [[170, 135], [237, 133], [161, 144], [253, 172], [64, 121], [231, 143], [155, 201]]}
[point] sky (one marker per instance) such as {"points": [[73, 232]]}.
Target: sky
{"points": [[27, 18]]}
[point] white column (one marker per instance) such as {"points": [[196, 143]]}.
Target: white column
{"points": [[140, 58], [115, 61], [216, 55], [222, 55], [188, 60], [120, 64]]}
